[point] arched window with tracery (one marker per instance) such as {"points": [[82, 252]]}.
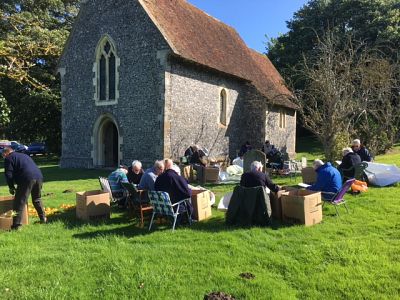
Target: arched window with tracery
{"points": [[223, 104], [106, 69]]}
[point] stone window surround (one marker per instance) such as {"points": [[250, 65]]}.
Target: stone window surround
{"points": [[96, 70], [223, 90]]}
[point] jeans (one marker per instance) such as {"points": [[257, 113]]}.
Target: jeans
{"points": [[33, 187]]}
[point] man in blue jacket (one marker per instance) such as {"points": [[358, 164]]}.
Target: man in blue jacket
{"points": [[21, 170], [328, 179]]}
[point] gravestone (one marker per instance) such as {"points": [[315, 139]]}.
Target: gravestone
{"points": [[251, 156]]}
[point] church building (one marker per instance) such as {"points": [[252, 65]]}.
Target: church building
{"points": [[144, 79]]}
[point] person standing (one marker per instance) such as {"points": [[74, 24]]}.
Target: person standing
{"points": [[21, 170]]}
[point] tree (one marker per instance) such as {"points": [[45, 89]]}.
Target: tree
{"points": [[372, 25], [32, 36], [346, 90], [376, 22], [4, 115]]}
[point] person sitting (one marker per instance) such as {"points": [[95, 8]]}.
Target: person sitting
{"points": [[238, 161], [244, 148], [360, 149], [149, 177], [170, 181], [349, 161], [176, 186], [197, 156], [328, 179], [135, 173], [255, 177], [267, 147], [115, 179]]}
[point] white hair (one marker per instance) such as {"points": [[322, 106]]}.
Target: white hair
{"points": [[346, 150], [317, 163], [137, 164], [255, 165], [356, 142]]}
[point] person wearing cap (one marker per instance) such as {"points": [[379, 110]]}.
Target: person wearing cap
{"points": [[349, 161], [135, 172], [328, 179], [21, 170], [360, 149]]}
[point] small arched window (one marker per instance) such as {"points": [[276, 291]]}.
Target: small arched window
{"points": [[222, 109], [106, 69], [282, 118]]}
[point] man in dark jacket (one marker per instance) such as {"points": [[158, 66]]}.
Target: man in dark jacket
{"points": [[135, 173], [257, 178], [349, 161], [21, 170], [360, 149], [174, 184], [169, 181]]}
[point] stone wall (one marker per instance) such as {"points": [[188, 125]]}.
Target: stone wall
{"points": [[138, 113], [193, 109]]}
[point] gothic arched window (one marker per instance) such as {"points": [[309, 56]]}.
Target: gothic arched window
{"points": [[106, 69]]}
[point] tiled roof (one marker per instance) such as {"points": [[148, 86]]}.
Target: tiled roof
{"points": [[196, 36]]}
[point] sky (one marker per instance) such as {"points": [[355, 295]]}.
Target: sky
{"points": [[253, 19]]}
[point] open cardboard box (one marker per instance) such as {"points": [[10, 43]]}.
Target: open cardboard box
{"points": [[302, 207], [6, 208], [92, 205]]}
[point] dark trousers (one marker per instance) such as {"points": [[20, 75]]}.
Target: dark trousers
{"points": [[33, 187]]}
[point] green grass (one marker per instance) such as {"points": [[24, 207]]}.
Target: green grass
{"points": [[354, 256]]}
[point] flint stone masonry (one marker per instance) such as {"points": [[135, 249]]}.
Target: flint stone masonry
{"points": [[165, 103]]}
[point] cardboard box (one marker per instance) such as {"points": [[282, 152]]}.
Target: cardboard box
{"points": [[302, 207], [187, 172], [6, 207], [309, 175], [211, 174], [276, 204], [201, 205], [92, 205]]}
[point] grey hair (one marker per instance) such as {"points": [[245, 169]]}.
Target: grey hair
{"points": [[317, 163], [137, 163], [356, 142], [255, 165], [158, 164]]}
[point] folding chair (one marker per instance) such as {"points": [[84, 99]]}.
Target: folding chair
{"points": [[162, 206], [136, 201], [105, 186], [358, 171], [338, 198]]}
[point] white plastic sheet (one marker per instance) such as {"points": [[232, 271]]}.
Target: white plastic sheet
{"points": [[382, 174]]}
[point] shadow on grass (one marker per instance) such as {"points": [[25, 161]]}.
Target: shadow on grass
{"points": [[55, 173]]}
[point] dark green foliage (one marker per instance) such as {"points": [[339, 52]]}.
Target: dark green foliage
{"points": [[32, 36], [372, 29]]}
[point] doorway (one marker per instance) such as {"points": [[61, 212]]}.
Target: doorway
{"points": [[106, 143]]}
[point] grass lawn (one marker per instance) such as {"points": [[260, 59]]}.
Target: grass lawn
{"points": [[354, 256]]}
